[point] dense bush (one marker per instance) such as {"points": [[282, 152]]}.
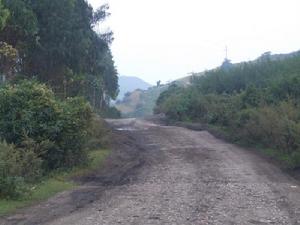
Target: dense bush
{"points": [[30, 110], [54, 42], [257, 102], [42, 133], [17, 166], [110, 112], [98, 133]]}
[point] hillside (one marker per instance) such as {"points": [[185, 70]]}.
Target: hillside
{"points": [[140, 103], [129, 84], [256, 103]]}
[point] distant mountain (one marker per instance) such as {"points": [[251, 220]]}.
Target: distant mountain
{"points": [[129, 84], [140, 103]]}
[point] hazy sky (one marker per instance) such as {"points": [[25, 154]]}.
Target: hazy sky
{"points": [[166, 39]]}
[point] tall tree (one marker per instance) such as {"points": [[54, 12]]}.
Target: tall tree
{"points": [[8, 61], [4, 13], [21, 27], [8, 54], [57, 43]]}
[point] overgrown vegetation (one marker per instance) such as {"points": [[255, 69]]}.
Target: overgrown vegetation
{"points": [[139, 103], [56, 42], [258, 103], [53, 183], [55, 72], [43, 134]]}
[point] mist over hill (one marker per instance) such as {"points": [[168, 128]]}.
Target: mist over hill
{"points": [[131, 83], [140, 103]]}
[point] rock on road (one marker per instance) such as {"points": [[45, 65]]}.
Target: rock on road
{"points": [[190, 177]]}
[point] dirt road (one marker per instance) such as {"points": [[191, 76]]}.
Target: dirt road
{"points": [[179, 177]]}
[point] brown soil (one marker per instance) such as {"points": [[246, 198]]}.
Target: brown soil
{"points": [[171, 175]]}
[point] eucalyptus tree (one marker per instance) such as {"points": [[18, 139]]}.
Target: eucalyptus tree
{"points": [[4, 13], [58, 44]]}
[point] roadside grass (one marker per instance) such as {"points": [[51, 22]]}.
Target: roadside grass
{"points": [[282, 159], [56, 182]]}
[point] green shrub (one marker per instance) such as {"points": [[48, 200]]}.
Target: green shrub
{"points": [[74, 122], [12, 162], [110, 112], [43, 133], [31, 162], [29, 110], [99, 134], [257, 103]]}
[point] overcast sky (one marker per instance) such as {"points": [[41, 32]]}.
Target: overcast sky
{"points": [[167, 39]]}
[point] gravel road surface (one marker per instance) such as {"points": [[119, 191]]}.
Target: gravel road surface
{"points": [[172, 175]]}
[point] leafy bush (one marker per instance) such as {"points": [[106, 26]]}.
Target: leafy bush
{"points": [[110, 112], [74, 122], [42, 133], [30, 110], [99, 134], [257, 102], [16, 167]]}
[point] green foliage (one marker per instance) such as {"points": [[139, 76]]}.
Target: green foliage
{"points": [[54, 183], [11, 182], [27, 109], [261, 73], [140, 103], [73, 122], [59, 129], [4, 13], [110, 112], [8, 60], [44, 134], [17, 165], [57, 44], [257, 102], [177, 106], [21, 28], [98, 133]]}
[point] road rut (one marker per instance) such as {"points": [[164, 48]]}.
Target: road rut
{"points": [[190, 177]]}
